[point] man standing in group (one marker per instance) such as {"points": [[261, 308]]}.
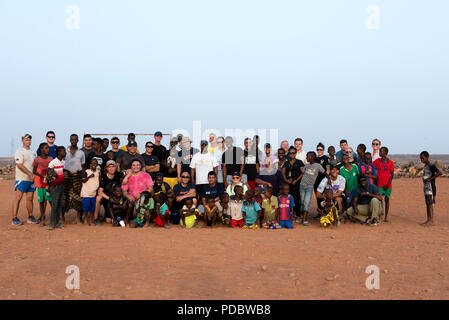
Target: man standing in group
{"points": [[87, 145], [217, 152], [300, 154], [202, 163], [97, 154], [185, 157], [159, 150], [50, 137], [376, 147], [124, 161], [74, 167], [131, 138], [152, 163], [343, 146], [231, 161], [115, 144], [24, 158]]}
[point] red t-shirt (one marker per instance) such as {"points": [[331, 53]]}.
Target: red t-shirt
{"points": [[41, 166], [384, 171]]}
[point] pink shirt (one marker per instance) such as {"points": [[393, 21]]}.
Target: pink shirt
{"points": [[138, 184]]}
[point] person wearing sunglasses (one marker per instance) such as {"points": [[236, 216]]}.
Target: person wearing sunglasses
{"points": [[376, 147], [152, 164], [183, 190], [236, 181], [50, 137], [115, 148], [322, 160], [292, 172], [217, 151]]}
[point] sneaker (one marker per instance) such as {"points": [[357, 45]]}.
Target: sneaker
{"points": [[32, 219], [59, 225], [97, 222], [166, 226], [306, 223], [16, 222], [298, 220], [50, 227]]}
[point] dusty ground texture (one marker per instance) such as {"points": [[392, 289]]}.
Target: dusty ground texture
{"points": [[304, 263]]}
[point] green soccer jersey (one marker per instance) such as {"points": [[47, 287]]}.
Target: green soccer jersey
{"points": [[350, 176]]}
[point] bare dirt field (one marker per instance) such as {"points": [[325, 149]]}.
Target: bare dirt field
{"points": [[223, 263]]}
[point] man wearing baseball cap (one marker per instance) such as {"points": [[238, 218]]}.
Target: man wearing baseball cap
{"points": [[24, 158], [125, 160], [158, 149], [185, 157], [131, 137]]}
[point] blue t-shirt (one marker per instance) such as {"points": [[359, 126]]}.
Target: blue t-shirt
{"points": [[363, 168], [52, 152], [251, 208]]}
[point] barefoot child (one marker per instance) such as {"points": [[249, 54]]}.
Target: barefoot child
{"points": [[286, 205], [385, 174], [270, 210], [430, 173], [331, 217], [189, 214], [144, 207], [210, 213], [251, 211], [40, 168], [118, 207], [91, 183], [161, 214], [235, 207]]}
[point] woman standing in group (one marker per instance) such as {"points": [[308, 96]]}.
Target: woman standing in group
{"points": [[323, 160]]}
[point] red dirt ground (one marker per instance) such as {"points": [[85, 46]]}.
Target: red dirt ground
{"points": [[304, 263]]}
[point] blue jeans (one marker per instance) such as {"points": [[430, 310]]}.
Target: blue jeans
{"points": [[306, 196]]}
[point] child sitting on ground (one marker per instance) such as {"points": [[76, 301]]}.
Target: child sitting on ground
{"points": [[270, 210], [143, 210], [331, 218], [211, 213], [251, 211], [161, 214], [91, 183], [286, 204], [118, 207], [223, 214], [188, 214]]}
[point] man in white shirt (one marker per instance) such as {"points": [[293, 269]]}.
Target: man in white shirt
{"points": [[24, 158], [202, 163], [300, 154]]}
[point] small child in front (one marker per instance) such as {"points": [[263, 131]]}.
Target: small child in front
{"points": [[270, 209], [331, 218], [251, 211], [211, 213], [91, 183], [118, 207], [161, 214], [189, 214], [286, 205], [144, 207], [235, 207]]}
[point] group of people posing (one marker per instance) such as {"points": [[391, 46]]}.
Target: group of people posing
{"points": [[220, 184]]}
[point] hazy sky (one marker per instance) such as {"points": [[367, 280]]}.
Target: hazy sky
{"points": [[310, 69]]}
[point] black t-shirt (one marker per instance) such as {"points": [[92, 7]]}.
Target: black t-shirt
{"points": [[159, 151], [275, 179], [365, 199], [179, 190], [293, 171], [108, 184], [185, 157], [118, 207], [231, 158], [151, 160], [101, 159], [125, 160], [251, 159], [164, 187], [211, 192]]}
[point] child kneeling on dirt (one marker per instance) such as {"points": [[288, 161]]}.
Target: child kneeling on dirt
{"points": [[118, 207], [331, 218], [251, 211], [189, 214], [143, 210], [210, 213], [161, 214]]}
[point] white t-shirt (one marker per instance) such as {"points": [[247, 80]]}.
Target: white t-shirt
{"points": [[89, 188], [203, 163], [25, 157], [302, 156], [338, 184]]}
